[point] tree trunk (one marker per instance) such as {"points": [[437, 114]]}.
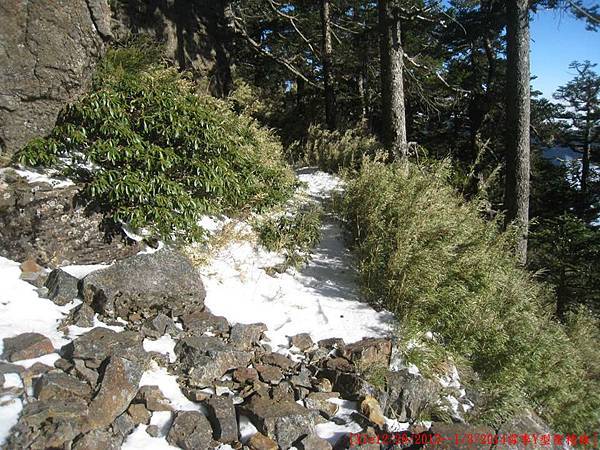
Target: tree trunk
{"points": [[327, 50], [392, 87], [516, 196]]}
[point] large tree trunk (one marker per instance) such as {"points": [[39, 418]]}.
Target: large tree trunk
{"points": [[327, 50], [392, 86], [516, 196]]}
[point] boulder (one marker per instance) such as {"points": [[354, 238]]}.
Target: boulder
{"points": [[118, 387], [122, 425], [283, 421], [81, 316], [62, 287], [191, 431], [158, 326], [26, 346], [221, 414], [281, 361], [145, 285]]}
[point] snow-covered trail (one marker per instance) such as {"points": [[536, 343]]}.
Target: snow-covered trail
{"points": [[322, 299]]}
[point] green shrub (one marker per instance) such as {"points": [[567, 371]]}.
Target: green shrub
{"points": [[295, 234], [428, 256], [333, 150], [155, 153]]}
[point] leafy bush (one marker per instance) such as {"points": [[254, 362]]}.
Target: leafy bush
{"points": [[296, 234], [333, 150], [155, 153], [428, 256]]}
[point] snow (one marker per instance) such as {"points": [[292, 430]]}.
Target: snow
{"points": [[322, 299], [334, 432], [10, 408], [12, 380], [159, 376], [80, 272], [22, 310], [140, 440], [43, 177], [165, 345]]}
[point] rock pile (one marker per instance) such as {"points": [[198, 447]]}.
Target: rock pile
{"points": [[91, 398]]}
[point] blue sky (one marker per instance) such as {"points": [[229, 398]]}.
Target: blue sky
{"points": [[557, 40]]}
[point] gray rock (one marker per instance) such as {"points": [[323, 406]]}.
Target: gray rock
{"points": [[245, 375], [302, 378], [84, 373], [49, 424], [159, 325], [122, 425], [331, 343], [81, 316], [221, 414], [98, 440], [145, 285], [191, 431], [99, 343], [408, 395], [283, 391], [62, 287], [118, 387], [153, 430], [245, 336], [10, 368], [59, 385], [199, 322], [526, 423], [283, 421], [26, 346], [314, 442], [206, 359]]}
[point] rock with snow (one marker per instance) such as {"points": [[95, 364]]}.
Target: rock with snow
{"points": [[120, 382], [302, 341], [81, 316], [222, 416], [26, 346], [62, 287], [283, 421], [122, 425], [191, 431], [49, 424], [33, 273], [144, 285], [153, 398], [371, 409], [320, 401]]}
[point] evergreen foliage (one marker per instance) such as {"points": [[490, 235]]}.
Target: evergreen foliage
{"points": [[155, 153]]}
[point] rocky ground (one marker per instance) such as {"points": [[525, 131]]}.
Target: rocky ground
{"points": [[129, 355]]}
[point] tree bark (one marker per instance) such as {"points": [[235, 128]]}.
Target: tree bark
{"points": [[516, 197], [327, 51], [392, 85]]}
